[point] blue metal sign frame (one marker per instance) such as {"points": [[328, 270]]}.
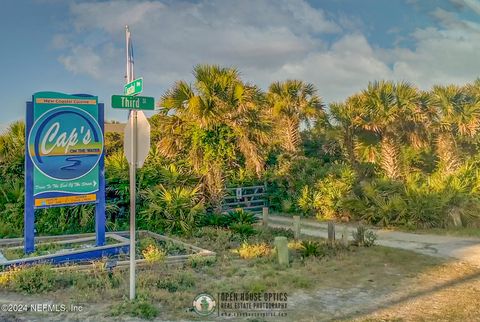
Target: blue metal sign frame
{"points": [[30, 206]]}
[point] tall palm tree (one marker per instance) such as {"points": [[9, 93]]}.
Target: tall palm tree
{"points": [[291, 103], [397, 113], [349, 116], [458, 117], [218, 122]]}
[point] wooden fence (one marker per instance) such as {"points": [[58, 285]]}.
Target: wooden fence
{"points": [[252, 198]]}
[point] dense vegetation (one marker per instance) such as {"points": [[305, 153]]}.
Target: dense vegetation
{"points": [[388, 155]]}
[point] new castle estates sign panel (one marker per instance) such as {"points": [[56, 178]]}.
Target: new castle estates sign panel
{"points": [[65, 144]]}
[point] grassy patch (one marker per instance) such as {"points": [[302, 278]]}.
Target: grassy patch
{"points": [[172, 287], [139, 308]]}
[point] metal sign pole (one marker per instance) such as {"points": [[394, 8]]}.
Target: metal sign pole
{"points": [[136, 143], [133, 167]]}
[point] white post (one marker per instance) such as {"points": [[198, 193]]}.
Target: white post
{"points": [[296, 227], [265, 216], [133, 166]]}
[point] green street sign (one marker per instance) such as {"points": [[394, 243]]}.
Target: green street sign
{"points": [[133, 88], [133, 102]]}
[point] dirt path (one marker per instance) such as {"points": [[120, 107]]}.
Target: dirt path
{"points": [[466, 249], [448, 292]]}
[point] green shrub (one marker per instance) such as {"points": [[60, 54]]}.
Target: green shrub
{"points": [[363, 237], [240, 216], [286, 179], [216, 220], [153, 255], [171, 286], [179, 282], [234, 217], [34, 279], [331, 191], [305, 202], [65, 220], [197, 260], [144, 242], [212, 233], [326, 196], [100, 279], [172, 248], [11, 207], [311, 248], [176, 210], [139, 308], [424, 201], [242, 230]]}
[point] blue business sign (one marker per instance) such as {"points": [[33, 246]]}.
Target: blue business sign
{"points": [[65, 145], [64, 163]]}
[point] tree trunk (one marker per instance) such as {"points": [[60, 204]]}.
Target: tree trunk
{"points": [[214, 188], [447, 153], [291, 131], [390, 155], [349, 147]]}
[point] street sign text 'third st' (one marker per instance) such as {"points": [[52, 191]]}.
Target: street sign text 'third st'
{"points": [[133, 102]]}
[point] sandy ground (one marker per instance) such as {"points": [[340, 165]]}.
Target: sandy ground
{"points": [[450, 292]]}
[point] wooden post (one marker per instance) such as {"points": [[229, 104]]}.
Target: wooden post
{"points": [[296, 227], [281, 243], [345, 236], [265, 216], [331, 232]]}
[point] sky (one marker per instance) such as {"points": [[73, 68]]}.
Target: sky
{"points": [[338, 45]]}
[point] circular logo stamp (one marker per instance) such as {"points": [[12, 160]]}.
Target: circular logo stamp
{"points": [[65, 143], [204, 304]]}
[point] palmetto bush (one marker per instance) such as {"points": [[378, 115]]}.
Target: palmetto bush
{"points": [[325, 198], [240, 216], [421, 201], [117, 185], [65, 220], [11, 208], [288, 177], [379, 201], [175, 210]]}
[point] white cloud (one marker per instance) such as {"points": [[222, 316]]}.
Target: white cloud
{"points": [[82, 60], [448, 54], [471, 4], [170, 39], [266, 40], [339, 71]]}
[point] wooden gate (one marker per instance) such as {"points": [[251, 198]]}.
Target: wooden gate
{"points": [[252, 198]]}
